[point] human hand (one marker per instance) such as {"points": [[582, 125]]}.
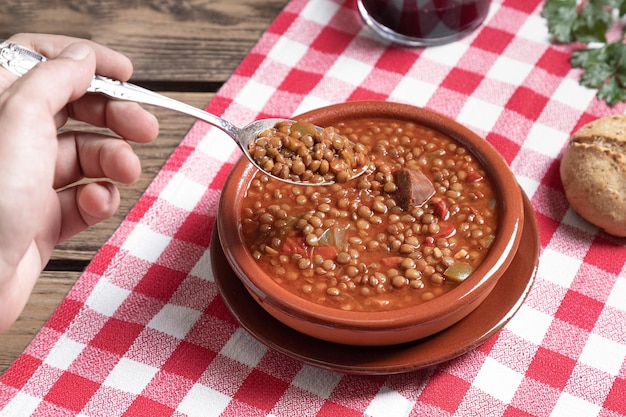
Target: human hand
{"points": [[40, 205]]}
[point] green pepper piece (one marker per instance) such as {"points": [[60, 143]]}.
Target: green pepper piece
{"points": [[487, 241], [458, 271], [303, 128], [327, 238]]}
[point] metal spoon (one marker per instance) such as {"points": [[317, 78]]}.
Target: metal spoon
{"points": [[19, 60]]}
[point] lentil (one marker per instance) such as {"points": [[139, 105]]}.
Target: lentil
{"points": [[353, 245], [300, 152]]}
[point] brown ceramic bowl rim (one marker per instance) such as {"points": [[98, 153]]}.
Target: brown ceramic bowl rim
{"points": [[506, 242]]}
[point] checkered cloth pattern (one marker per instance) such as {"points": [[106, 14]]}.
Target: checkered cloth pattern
{"points": [[144, 332]]}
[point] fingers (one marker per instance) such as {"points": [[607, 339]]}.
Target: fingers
{"points": [[89, 155], [129, 120], [85, 205]]}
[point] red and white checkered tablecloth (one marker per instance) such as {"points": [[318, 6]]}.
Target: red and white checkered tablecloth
{"points": [[144, 332]]}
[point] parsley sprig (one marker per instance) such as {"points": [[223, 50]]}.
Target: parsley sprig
{"points": [[587, 22]]}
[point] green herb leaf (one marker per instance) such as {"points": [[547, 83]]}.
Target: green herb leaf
{"points": [[596, 75], [611, 92], [619, 5], [604, 68], [586, 57], [592, 24], [561, 16]]}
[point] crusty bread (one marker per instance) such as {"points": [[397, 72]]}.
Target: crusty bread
{"points": [[593, 172]]}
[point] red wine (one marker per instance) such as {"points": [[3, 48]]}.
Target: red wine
{"points": [[427, 19]]}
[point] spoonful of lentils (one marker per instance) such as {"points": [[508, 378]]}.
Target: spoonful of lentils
{"points": [[291, 151]]}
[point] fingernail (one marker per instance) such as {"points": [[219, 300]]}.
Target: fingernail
{"points": [[77, 51]]}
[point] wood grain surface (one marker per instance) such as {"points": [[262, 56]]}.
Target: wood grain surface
{"points": [[185, 49]]}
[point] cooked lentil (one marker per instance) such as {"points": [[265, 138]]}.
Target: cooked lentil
{"points": [[353, 246], [299, 152]]}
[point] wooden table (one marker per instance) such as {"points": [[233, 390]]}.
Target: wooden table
{"points": [[186, 50]]}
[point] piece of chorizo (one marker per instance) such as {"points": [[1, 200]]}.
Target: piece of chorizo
{"points": [[414, 188]]}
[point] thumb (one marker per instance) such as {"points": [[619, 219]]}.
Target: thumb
{"points": [[56, 82], [76, 51], [74, 67]]}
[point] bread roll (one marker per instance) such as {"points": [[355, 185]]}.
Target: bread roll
{"points": [[593, 171]]}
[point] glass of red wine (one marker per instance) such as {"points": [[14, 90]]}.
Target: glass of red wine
{"points": [[423, 22]]}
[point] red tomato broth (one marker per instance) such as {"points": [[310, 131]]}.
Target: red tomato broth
{"points": [[353, 246]]}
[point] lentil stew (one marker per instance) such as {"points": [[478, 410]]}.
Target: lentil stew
{"points": [[413, 227]]}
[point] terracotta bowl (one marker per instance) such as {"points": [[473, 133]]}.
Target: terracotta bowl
{"points": [[370, 328]]}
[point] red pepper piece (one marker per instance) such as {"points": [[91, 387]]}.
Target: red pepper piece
{"points": [[391, 261], [294, 245], [441, 210], [327, 252], [474, 176], [446, 229]]}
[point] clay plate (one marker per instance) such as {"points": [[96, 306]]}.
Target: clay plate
{"points": [[490, 316]]}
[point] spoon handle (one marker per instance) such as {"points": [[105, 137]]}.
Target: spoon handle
{"points": [[19, 60], [120, 90]]}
